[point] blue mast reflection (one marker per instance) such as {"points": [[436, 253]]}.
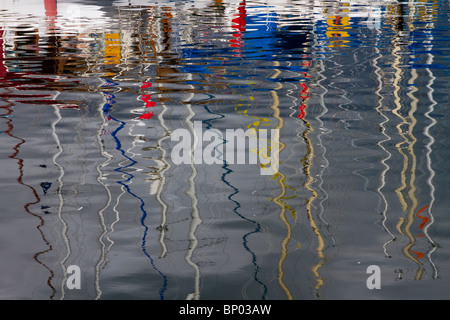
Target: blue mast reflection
{"points": [[228, 171], [240, 28], [106, 109]]}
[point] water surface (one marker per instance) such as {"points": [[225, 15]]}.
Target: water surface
{"points": [[91, 93]]}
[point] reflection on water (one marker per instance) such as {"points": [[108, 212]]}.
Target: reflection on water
{"points": [[91, 94]]}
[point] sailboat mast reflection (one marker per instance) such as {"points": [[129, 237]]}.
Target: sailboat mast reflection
{"points": [[113, 55], [429, 145], [238, 45], [381, 109], [415, 212], [24, 41], [406, 113], [101, 213], [408, 251]]}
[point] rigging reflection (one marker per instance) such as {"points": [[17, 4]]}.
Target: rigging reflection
{"points": [[403, 18], [11, 81], [161, 67]]}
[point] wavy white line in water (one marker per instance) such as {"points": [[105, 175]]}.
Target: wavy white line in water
{"points": [[281, 181], [118, 198], [61, 199], [100, 178], [324, 165], [381, 143], [395, 111], [428, 147], [320, 58], [192, 194], [412, 180], [412, 187], [162, 179]]}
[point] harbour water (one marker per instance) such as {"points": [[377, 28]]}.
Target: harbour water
{"points": [[93, 92]]}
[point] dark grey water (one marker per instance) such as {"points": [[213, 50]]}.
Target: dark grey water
{"points": [[92, 95]]}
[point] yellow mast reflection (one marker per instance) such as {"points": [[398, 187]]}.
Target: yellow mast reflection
{"points": [[61, 198], [281, 181], [307, 161], [413, 213], [412, 191], [395, 111], [112, 49], [406, 192]]}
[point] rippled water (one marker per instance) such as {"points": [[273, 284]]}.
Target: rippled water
{"points": [[93, 92]]}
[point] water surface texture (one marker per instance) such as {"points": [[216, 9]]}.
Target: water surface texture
{"points": [[93, 92]]}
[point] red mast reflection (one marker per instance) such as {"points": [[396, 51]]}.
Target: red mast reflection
{"points": [[240, 27], [148, 103]]}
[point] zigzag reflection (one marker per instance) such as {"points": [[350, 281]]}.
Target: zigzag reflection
{"points": [[61, 198], [37, 199], [406, 115], [125, 184], [413, 122], [228, 172], [195, 214], [381, 110], [9, 81], [428, 146], [281, 181], [321, 193], [237, 43], [102, 261], [307, 161], [232, 53]]}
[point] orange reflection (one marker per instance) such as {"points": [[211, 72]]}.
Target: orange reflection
{"points": [[424, 222], [424, 219]]}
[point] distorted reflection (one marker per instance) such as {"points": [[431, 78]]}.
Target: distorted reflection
{"points": [[91, 96]]}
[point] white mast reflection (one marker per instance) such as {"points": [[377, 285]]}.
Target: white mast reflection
{"points": [[429, 145], [191, 192], [101, 176], [60, 197]]}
